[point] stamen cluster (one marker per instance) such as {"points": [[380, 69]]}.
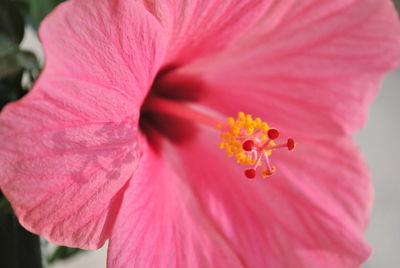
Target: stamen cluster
{"points": [[251, 142]]}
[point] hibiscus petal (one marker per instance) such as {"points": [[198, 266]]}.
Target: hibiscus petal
{"points": [[311, 213], [160, 224], [69, 147], [310, 68], [113, 44], [200, 27]]}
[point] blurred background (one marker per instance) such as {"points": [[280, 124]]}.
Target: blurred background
{"points": [[21, 59]]}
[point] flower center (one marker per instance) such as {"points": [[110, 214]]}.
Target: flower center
{"points": [[250, 141]]}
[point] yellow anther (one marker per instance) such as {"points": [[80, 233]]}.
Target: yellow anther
{"points": [[264, 126], [241, 129], [249, 118], [231, 121]]}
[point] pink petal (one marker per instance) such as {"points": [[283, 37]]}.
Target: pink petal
{"points": [[201, 27], [310, 68], [312, 213], [161, 224], [116, 45], [203, 212], [70, 146]]}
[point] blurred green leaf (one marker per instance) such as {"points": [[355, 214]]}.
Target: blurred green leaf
{"points": [[38, 9], [11, 89], [5, 206], [18, 247], [397, 5], [13, 60], [62, 253], [12, 22], [12, 25]]}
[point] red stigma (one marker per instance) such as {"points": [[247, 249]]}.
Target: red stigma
{"points": [[291, 144], [248, 145], [273, 133], [250, 173]]}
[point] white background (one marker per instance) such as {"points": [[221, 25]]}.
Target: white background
{"points": [[380, 143]]}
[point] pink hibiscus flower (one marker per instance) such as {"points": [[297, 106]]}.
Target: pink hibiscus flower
{"points": [[81, 162]]}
